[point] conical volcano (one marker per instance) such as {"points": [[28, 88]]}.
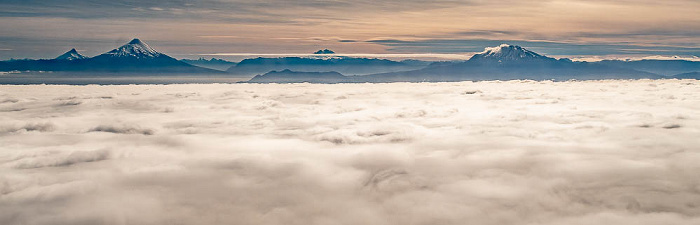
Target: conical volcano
{"points": [[71, 55], [138, 57], [508, 53], [134, 49]]}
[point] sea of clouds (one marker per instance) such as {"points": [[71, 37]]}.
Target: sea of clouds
{"points": [[516, 152]]}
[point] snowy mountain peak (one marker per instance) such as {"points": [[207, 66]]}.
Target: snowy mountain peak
{"points": [[71, 55], [506, 52], [136, 41], [136, 49]]}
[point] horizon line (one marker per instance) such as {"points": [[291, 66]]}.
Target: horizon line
{"points": [[464, 56]]}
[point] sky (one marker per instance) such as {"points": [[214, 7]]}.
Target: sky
{"points": [[192, 29]]}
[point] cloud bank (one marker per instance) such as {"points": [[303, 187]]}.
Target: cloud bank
{"points": [[516, 152]]}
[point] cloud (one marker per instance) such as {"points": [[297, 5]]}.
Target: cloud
{"points": [[39, 127], [121, 130], [513, 152], [60, 159]]}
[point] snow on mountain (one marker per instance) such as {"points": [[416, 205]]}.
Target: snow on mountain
{"points": [[506, 52], [71, 55], [135, 49]]}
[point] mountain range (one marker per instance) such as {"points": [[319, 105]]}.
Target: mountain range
{"points": [[213, 63], [288, 76], [133, 57], [504, 62], [509, 62], [663, 67], [689, 75], [344, 65]]}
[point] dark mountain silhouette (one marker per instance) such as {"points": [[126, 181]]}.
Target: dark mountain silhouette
{"points": [[65, 61], [71, 55], [663, 67], [133, 57], [344, 65], [324, 51], [416, 63], [31, 64], [691, 75], [509, 62], [213, 63], [288, 76]]}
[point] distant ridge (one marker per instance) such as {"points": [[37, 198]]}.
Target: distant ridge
{"points": [[344, 65], [658, 66], [213, 63], [691, 75], [288, 76]]}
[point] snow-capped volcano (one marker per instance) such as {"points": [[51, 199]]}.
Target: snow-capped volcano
{"points": [[137, 57], [134, 49], [508, 53], [71, 55], [510, 62]]}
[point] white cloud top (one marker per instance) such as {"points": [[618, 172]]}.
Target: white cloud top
{"points": [[517, 152]]}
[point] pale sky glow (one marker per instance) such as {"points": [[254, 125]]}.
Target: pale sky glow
{"points": [[35, 28]]}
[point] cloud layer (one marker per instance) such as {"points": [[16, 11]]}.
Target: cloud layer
{"points": [[516, 152]]}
